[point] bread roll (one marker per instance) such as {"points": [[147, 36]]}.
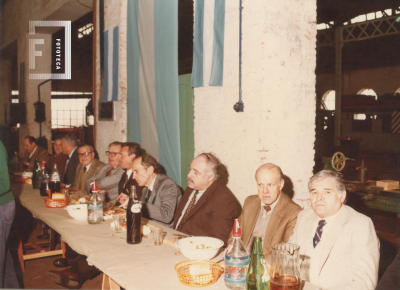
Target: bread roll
{"points": [[57, 196]]}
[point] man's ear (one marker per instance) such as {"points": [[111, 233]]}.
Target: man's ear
{"points": [[150, 169], [132, 156], [282, 184]]}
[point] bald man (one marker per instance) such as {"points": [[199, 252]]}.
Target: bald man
{"points": [[271, 214]]}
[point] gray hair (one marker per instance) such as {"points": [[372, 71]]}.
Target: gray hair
{"points": [[71, 139], [270, 166], [336, 176], [115, 143], [214, 163]]}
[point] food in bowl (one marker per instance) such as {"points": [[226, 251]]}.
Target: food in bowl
{"points": [[199, 248], [77, 211]]}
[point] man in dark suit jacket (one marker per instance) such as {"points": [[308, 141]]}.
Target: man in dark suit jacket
{"points": [[31, 151], [87, 167], [271, 214], [69, 145], [160, 195], [129, 152], [207, 207]]}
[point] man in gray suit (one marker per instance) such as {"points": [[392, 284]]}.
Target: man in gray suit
{"points": [[161, 194], [109, 176]]}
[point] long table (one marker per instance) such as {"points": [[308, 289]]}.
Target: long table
{"points": [[141, 266]]}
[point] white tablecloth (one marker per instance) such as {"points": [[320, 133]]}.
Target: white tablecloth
{"points": [[141, 266]]}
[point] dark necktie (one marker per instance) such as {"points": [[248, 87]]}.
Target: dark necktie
{"points": [[109, 171], [84, 169], [188, 210], [318, 233], [148, 195], [267, 208]]}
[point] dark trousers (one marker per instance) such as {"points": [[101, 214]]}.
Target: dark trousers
{"points": [[8, 278], [80, 266]]}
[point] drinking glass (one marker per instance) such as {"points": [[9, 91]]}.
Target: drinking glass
{"points": [[285, 270], [157, 236], [117, 225]]}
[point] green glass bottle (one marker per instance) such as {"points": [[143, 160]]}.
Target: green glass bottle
{"points": [[36, 174], [258, 274]]}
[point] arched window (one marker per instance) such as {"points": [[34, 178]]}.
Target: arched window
{"points": [[365, 92], [329, 100]]}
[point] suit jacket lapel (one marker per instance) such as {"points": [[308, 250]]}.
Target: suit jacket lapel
{"points": [[182, 204], [306, 235], [251, 217], [334, 232], [155, 188], [203, 199]]}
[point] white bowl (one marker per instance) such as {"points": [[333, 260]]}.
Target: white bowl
{"points": [[78, 211], [199, 248]]}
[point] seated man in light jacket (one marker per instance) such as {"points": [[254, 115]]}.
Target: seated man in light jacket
{"points": [[109, 176], [339, 249]]}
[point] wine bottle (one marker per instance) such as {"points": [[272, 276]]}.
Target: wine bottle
{"points": [[44, 180], [133, 219], [36, 174]]}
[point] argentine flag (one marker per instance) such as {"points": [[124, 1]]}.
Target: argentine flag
{"points": [[111, 47], [208, 43], [153, 84]]}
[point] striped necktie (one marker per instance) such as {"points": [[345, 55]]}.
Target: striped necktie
{"points": [[188, 210], [318, 233]]}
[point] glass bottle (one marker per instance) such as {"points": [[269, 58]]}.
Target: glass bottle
{"points": [[36, 174], [258, 276], [55, 180], [133, 219], [95, 206], [44, 181], [236, 260]]}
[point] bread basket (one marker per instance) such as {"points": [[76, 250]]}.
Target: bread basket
{"points": [[184, 276], [58, 203]]}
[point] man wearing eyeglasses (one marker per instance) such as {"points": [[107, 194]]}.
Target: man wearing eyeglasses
{"points": [[88, 167], [109, 176]]}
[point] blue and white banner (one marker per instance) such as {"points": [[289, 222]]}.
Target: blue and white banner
{"points": [[153, 84], [208, 43], [111, 47]]}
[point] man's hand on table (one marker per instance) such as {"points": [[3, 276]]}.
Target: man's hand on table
{"points": [[102, 191], [123, 199]]}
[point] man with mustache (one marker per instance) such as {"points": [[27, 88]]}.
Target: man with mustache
{"points": [[207, 207], [339, 249]]}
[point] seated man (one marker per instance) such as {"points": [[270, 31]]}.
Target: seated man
{"points": [[87, 167], [31, 151], [69, 145], [58, 157], [271, 214], [207, 207], [109, 176], [160, 194], [80, 271], [338, 244]]}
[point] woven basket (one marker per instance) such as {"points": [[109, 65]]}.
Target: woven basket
{"points": [[58, 203], [183, 271]]}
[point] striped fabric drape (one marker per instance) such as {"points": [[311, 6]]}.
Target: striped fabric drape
{"points": [[208, 43], [153, 85], [111, 54]]}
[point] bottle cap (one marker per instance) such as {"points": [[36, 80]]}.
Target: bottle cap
{"points": [[236, 231], [42, 165], [94, 186]]}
